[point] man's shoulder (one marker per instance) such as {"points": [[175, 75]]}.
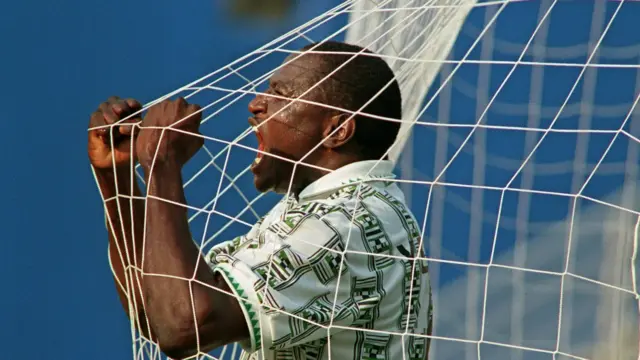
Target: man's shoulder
{"points": [[340, 202], [345, 205], [356, 205], [379, 197]]}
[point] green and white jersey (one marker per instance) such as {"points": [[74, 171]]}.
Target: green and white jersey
{"points": [[331, 275]]}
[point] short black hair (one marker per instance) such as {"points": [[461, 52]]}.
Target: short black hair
{"points": [[360, 78]]}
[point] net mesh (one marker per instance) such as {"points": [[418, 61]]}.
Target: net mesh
{"points": [[518, 153]]}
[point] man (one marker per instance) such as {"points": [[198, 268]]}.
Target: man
{"points": [[327, 265]]}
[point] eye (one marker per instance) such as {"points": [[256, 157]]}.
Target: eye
{"points": [[280, 92], [272, 91]]}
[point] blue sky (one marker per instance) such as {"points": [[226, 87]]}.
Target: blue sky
{"points": [[61, 59]]}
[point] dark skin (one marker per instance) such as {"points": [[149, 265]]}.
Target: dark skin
{"points": [[175, 313], [295, 128]]}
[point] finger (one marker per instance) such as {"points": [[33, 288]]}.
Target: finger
{"points": [[133, 104], [196, 115], [181, 102], [151, 113], [99, 119], [112, 113], [123, 109], [127, 129], [96, 119], [192, 108], [113, 103], [108, 113], [105, 115], [120, 109], [189, 118]]}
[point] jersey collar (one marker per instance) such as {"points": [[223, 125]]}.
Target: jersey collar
{"points": [[360, 171]]}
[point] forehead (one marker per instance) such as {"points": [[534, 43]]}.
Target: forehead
{"points": [[298, 72]]}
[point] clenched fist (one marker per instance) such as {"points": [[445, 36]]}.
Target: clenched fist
{"points": [[158, 144], [108, 146]]}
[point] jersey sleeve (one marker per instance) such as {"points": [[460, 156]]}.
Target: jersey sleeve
{"points": [[295, 280]]}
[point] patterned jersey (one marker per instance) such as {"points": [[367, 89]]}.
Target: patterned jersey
{"points": [[331, 274]]}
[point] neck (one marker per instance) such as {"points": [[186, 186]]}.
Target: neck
{"points": [[327, 162]]}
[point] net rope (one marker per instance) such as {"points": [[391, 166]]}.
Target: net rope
{"points": [[530, 298]]}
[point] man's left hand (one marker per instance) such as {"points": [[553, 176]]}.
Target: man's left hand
{"points": [[159, 143]]}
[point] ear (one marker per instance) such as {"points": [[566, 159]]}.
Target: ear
{"points": [[338, 130]]}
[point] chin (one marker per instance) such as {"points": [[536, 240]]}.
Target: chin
{"points": [[261, 185], [269, 175], [264, 185]]}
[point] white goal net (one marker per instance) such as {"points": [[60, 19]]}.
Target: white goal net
{"points": [[519, 155]]}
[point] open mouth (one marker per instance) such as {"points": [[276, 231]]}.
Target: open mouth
{"points": [[259, 154]]}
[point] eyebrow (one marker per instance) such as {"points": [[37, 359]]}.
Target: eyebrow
{"points": [[280, 86], [275, 83]]}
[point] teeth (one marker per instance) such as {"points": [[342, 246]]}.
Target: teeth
{"points": [[255, 129], [257, 160]]}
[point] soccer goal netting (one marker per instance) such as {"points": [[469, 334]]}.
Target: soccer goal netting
{"points": [[519, 155]]}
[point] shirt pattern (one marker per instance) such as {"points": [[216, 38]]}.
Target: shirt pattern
{"points": [[314, 275]]}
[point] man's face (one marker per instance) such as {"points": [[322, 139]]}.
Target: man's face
{"points": [[287, 128]]}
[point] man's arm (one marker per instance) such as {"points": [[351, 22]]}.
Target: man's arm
{"points": [[110, 152], [183, 316], [125, 221], [187, 306]]}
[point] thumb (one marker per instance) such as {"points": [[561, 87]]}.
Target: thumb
{"points": [[126, 127]]}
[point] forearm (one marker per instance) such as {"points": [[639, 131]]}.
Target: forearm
{"points": [[124, 208], [175, 305]]}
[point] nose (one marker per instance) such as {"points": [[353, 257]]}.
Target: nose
{"points": [[258, 105]]}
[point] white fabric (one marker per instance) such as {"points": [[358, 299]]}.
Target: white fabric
{"points": [[304, 296]]}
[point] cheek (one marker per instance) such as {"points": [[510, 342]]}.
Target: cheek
{"points": [[294, 130], [286, 136]]}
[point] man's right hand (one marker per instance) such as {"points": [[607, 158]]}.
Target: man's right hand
{"points": [[108, 145]]}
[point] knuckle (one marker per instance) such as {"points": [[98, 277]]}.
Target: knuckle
{"points": [[121, 103], [195, 119], [154, 108], [96, 118], [133, 103]]}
